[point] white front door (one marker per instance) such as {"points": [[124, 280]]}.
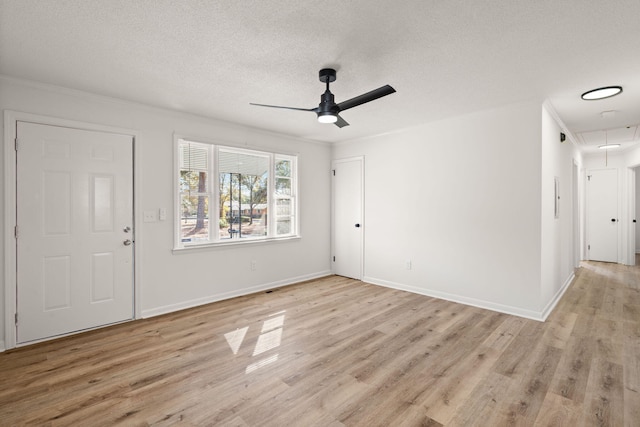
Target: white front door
{"points": [[74, 230], [602, 215], [347, 221]]}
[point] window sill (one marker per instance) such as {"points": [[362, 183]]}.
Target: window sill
{"points": [[235, 243]]}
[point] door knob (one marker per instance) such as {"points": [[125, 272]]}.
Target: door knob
{"points": [[127, 242], [357, 225], [126, 229], [613, 220]]}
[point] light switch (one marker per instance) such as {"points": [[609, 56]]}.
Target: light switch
{"points": [[162, 213]]}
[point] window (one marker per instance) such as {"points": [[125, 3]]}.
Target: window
{"points": [[231, 195]]}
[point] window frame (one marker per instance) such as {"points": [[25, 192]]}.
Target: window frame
{"points": [[214, 239], [292, 196]]}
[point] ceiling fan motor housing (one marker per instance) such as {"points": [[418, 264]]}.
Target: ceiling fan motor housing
{"points": [[327, 105]]}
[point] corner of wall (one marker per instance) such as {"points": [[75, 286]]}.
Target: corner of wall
{"points": [[459, 299], [556, 298]]}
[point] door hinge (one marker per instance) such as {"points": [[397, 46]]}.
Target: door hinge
{"points": [[588, 177], [334, 259], [16, 318], [589, 247], [334, 172], [16, 144], [15, 231]]}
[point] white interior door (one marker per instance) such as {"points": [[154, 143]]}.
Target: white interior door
{"points": [[74, 230], [602, 215], [347, 217]]}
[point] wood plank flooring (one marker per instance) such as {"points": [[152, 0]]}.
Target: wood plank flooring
{"points": [[337, 352]]}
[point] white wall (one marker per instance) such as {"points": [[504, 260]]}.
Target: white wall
{"points": [[557, 237], [461, 199], [171, 281]]}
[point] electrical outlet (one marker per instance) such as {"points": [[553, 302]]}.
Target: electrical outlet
{"points": [[407, 264], [149, 216], [162, 214], [253, 265]]}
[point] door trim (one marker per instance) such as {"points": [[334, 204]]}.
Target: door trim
{"points": [[10, 132], [362, 211], [632, 213], [575, 213]]}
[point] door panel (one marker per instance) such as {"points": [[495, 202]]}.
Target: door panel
{"points": [[74, 199], [347, 218], [602, 214]]}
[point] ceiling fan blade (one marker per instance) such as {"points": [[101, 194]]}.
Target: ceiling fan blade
{"points": [[341, 122], [286, 108], [367, 97]]}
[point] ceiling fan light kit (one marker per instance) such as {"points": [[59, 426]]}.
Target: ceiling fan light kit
{"points": [[601, 93], [328, 111], [327, 117]]}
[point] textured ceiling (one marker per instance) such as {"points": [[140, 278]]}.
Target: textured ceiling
{"points": [[444, 58]]}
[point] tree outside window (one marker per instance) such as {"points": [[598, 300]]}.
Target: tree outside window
{"points": [[249, 205]]}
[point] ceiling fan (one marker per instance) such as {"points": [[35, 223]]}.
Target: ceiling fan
{"points": [[328, 111]]}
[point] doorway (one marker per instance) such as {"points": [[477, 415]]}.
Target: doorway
{"points": [[575, 210], [602, 215], [74, 239], [634, 232], [347, 217]]}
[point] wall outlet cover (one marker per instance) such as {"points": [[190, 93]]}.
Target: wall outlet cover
{"points": [[149, 216]]}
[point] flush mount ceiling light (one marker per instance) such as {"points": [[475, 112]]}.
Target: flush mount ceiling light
{"points": [[601, 93], [606, 147]]}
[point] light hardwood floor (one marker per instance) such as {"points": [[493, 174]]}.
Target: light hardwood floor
{"points": [[335, 352]]}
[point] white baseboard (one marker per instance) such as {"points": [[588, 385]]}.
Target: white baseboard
{"points": [[515, 311], [2, 347], [554, 301], [227, 295]]}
